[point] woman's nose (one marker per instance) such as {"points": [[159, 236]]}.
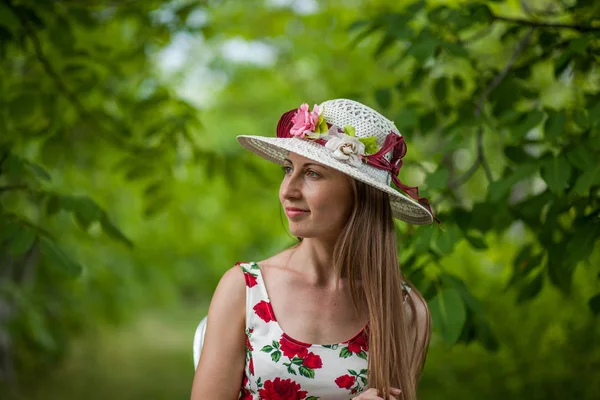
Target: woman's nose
{"points": [[290, 187]]}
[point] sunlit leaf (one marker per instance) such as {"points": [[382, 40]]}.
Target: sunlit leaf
{"points": [[556, 173], [55, 255], [448, 314]]}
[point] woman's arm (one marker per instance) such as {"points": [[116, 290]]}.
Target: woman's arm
{"points": [[221, 366]]}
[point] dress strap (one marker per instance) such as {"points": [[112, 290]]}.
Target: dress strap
{"points": [[257, 299]]}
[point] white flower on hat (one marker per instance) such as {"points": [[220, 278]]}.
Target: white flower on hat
{"points": [[346, 147]]}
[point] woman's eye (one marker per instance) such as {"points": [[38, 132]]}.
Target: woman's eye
{"points": [[285, 169], [313, 174]]}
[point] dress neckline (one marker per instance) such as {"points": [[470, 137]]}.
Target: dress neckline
{"points": [[287, 337]]}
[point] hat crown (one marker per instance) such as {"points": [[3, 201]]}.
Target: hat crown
{"points": [[365, 120]]}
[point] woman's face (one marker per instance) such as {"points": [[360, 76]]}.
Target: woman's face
{"points": [[324, 194]]}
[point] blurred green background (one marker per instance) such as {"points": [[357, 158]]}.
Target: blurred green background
{"points": [[124, 195]]}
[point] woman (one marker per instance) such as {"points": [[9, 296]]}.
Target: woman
{"points": [[330, 317]]}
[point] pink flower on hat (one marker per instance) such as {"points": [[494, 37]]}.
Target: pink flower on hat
{"points": [[305, 121]]}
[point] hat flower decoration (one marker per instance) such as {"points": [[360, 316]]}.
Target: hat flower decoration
{"points": [[352, 138]]}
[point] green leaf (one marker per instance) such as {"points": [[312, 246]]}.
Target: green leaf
{"points": [[156, 206], [586, 180], [524, 263], [594, 113], [438, 179], [530, 121], [531, 289], [313, 398], [350, 131], [23, 107], [446, 240], [39, 171], [297, 360], [352, 372], [555, 125], [307, 372], [456, 50], [21, 241], [476, 242], [440, 89], [448, 313], [56, 256], [458, 82], [111, 230], [139, 172], [422, 50], [276, 355], [594, 304], [580, 118], [559, 272], [556, 173], [383, 97], [406, 119], [267, 349], [501, 187], [8, 229], [562, 62], [86, 210], [581, 244], [427, 122], [345, 353], [362, 354], [370, 144], [480, 13], [579, 45], [516, 154], [456, 283], [581, 157]]}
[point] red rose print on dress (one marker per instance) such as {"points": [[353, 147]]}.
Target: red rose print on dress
{"points": [[246, 395], [264, 311], [250, 275], [291, 349], [250, 279], [345, 381], [298, 355], [282, 389], [353, 381], [359, 344], [312, 361]]}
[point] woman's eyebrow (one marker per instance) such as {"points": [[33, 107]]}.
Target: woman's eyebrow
{"points": [[305, 164]]}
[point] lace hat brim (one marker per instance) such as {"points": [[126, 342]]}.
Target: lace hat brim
{"points": [[275, 150]]}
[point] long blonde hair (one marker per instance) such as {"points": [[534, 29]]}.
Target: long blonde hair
{"points": [[366, 252]]}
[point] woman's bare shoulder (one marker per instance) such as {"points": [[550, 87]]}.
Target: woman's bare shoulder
{"points": [[278, 260]]}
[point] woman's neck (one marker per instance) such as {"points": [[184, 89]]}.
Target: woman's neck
{"points": [[314, 259]]}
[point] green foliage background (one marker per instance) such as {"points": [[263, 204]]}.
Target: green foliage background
{"points": [[124, 195]]}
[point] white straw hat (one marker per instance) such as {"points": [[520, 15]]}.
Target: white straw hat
{"points": [[352, 138]]}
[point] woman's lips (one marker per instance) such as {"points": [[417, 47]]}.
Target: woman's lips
{"points": [[295, 212]]}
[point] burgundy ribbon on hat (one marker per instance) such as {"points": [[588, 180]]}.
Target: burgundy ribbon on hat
{"points": [[396, 143], [377, 160]]}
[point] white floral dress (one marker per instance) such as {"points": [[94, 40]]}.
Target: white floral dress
{"points": [[279, 367]]}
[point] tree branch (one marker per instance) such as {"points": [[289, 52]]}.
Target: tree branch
{"points": [[39, 52], [577, 27], [502, 74], [480, 159], [61, 85]]}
